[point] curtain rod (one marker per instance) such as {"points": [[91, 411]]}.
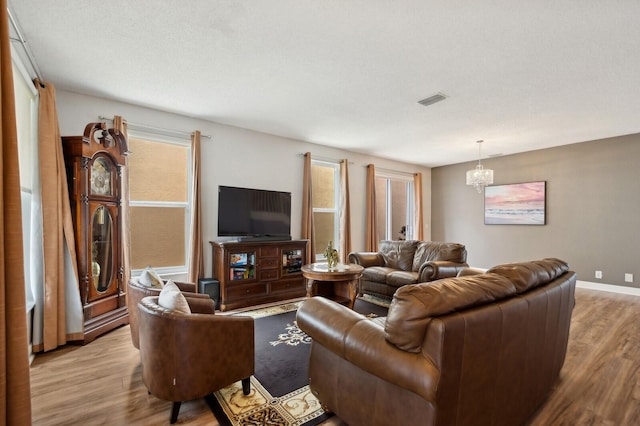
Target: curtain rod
{"points": [[25, 46], [389, 171], [156, 130], [327, 159]]}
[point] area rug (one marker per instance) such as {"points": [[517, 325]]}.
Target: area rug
{"points": [[280, 393]]}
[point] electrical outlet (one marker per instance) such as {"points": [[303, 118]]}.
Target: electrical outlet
{"points": [[599, 274], [628, 278]]}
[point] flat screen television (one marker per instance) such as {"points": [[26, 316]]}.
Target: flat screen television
{"points": [[255, 213]]}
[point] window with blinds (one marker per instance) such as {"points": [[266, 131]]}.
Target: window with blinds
{"points": [[160, 204]]}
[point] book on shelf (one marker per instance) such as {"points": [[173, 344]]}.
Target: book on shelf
{"points": [[241, 273], [238, 259]]}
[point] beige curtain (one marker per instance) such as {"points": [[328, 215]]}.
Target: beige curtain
{"points": [[120, 124], [57, 223], [307, 210], [371, 237], [345, 213], [196, 263], [417, 212], [15, 398]]}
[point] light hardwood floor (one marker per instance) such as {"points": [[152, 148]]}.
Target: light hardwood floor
{"points": [[100, 383]]}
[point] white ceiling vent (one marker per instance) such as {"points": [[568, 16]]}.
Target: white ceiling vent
{"points": [[433, 99]]}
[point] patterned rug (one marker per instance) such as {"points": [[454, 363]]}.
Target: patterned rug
{"points": [[280, 393]]}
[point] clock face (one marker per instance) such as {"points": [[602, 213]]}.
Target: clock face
{"points": [[101, 177]]}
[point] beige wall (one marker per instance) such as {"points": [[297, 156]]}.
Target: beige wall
{"points": [[241, 157], [593, 209]]}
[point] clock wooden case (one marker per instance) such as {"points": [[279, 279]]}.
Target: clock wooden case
{"points": [[95, 163]]}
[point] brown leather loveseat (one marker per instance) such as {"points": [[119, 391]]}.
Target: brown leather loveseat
{"points": [[475, 350], [398, 263]]}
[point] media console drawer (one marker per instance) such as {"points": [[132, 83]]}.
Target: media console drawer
{"points": [[288, 286], [270, 263], [269, 252], [245, 290], [270, 274]]}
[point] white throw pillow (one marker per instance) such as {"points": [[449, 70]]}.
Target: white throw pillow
{"points": [[150, 278], [172, 298]]}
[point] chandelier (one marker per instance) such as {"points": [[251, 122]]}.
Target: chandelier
{"points": [[479, 177]]}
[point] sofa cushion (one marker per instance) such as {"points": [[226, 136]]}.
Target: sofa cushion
{"points": [[172, 298], [528, 275], [429, 251], [377, 274], [150, 278], [399, 254], [400, 278], [413, 306]]}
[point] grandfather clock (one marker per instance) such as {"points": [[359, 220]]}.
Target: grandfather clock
{"points": [[94, 163]]}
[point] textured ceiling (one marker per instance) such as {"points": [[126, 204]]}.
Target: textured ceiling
{"points": [[349, 74]]}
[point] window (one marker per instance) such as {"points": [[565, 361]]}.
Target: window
{"points": [[159, 202], [26, 98], [26, 124], [394, 206], [325, 180]]}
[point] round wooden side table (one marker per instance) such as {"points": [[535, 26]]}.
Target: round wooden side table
{"points": [[339, 284]]}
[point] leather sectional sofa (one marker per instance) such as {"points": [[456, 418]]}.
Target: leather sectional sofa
{"points": [[480, 349], [398, 263]]}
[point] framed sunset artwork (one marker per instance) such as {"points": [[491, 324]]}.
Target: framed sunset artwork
{"points": [[515, 204]]}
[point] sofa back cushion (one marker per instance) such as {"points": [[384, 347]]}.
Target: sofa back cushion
{"points": [[528, 275], [398, 254], [413, 306], [433, 250]]}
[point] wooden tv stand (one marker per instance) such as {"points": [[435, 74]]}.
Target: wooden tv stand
{"points": [[256, 272]]}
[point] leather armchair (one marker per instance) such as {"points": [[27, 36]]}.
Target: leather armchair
{"points": [[136, 292], [189, 356]]}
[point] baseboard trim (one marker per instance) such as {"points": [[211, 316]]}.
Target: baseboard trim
{"points": [[632, 291], [611, 288]]}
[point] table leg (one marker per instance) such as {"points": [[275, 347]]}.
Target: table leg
{"points": [[309, 287], [353, 289]]}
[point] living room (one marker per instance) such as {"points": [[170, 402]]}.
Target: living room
{"points": [[591, 199]]}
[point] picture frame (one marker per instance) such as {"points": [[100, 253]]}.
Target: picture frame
{"points": [[516, 204]]}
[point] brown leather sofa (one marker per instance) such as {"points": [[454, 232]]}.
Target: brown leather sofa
{"points": [[398, 263], [190, 356], [136, 292], [481, 349]]}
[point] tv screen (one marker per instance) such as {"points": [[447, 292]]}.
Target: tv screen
{"points": [[253, 212]]}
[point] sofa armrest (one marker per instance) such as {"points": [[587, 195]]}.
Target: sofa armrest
{"points": [[366, 259], [196, 295], [465, 272], [200, 305], [188, 287], [438, 269], [361, 342]]}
